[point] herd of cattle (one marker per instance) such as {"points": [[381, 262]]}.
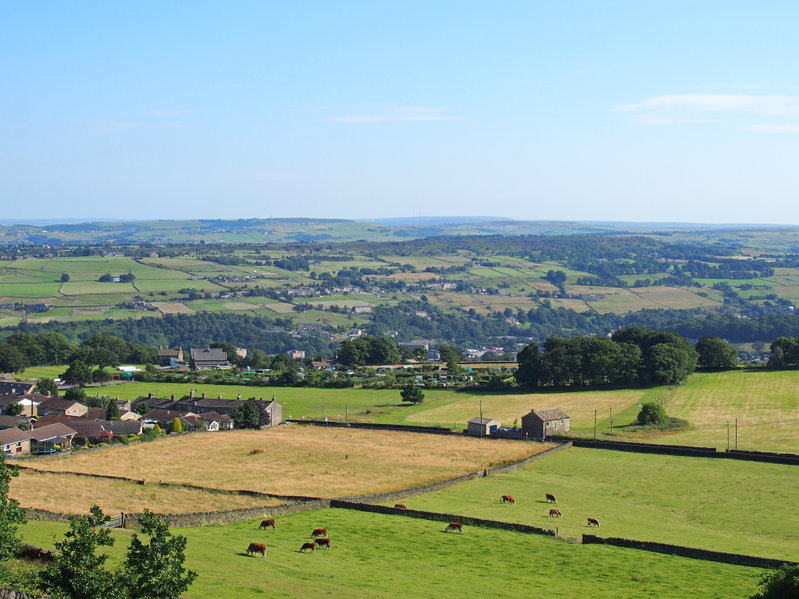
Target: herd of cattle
{"points": [[322, 540], [319, 536]]}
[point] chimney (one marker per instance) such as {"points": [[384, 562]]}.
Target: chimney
{"points": [[191, 393], [173, 397], [150, 395], [220, 396], [203, 394], [238, 397]]}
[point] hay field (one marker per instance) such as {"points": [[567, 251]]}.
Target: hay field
{"points": [[722, 505], [76, 494], [299, 460], [172, 308]]}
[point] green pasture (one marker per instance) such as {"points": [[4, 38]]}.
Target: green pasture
{"points": [[379, 556], [42, 372], [721, 505], [173, 285], [29, 290], [96, 287]]}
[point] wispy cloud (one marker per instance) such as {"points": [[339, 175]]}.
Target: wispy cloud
{"points": [[695, 104], [773, 128], [133, 125], [407, 113]]}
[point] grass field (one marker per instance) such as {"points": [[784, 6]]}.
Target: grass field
{"points": [[76, 494], [723, 505], [299, 460], [375, 556]]}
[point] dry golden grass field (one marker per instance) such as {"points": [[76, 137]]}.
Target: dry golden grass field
{"points": [[67, 493], [299, 460]]}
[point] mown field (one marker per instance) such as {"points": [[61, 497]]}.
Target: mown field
{"points": [[298, 460], [375, 556], [76, 494], [723, 505]]}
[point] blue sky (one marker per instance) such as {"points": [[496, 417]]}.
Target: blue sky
{"points": [[631, 111]]}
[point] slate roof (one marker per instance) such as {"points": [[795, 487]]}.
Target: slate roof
{"points": [[550, 414], [478, 420], [16, 387]]}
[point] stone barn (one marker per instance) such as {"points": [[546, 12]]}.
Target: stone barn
{"points": [[539, 424], [482, 426]]}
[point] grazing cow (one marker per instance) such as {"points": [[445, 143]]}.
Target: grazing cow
{"points": [[319, 532], [453, 526], [257, 548], [508, 499], [400, 506], [593, 522], [307, 547], [323, 543], [555, 513], [268, 523], [551, 498]]}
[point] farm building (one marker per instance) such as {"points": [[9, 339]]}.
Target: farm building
{"points": [[539, 424], [209, 359], [166, 357], [482, 427]]}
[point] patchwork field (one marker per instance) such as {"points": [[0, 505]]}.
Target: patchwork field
{"points": [[299, 460], [76, 494], [376, 556], [723, 505]]}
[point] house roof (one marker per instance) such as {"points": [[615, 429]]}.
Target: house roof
{"points": [[548, 414], [159, 414], [16, 387], [91, 429], [211, 416], [11, 421], [56, 418], [56, 403], [122, 427], [13, 435], [478, 420], [96, 413], [213, 354], [51, 431], [172, 353]]}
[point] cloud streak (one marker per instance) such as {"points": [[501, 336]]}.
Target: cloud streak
{"points": [[134, 125], [403, 114], [695, 104]]}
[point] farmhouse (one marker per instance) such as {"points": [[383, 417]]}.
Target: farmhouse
{"points": [[539, 424], [209, 359], [166, 357], [482, 427]]}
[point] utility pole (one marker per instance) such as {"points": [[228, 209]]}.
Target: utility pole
{"points": [[611, 421], [481, 418], [728, 435], [736, 434], [594, 425]]}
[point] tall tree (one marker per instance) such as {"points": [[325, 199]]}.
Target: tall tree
{"points": [[716, 354], [78, 373], [10, 513], [155, 570], [46, 387]]}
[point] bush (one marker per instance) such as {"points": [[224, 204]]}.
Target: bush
{"points": [[79, 441], [782, 583], [652, 414]]}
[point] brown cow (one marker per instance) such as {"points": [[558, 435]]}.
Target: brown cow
{"points": [[307, 547], [323, 543], [319, 532], [453, 526], [555, 513], [400, 506], [268, 523], [508, 499], [257, 548], [593, 522], [551, 498]]}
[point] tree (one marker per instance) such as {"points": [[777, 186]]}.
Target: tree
{"points": [[10, 513], [451, 356], [155, 570], [12, 359], [46, 387], [529, 369], [101, 375], [782, 583], [75, 394], [157, 429], [79, 571], [716, 354], [670, 364], [14, 409], [247, 415], [412, 394], [652, 414], [177, 427], [78, 373], [64, 277], [112, 411]]}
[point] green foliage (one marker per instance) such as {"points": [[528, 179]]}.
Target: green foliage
{"points": [[10, 512], [412, 394], [368, 350], [46, 387], [78, 373], [155, 569], [12, 359], [75, 394], [652, 414], [112, 411], [248, 415], [64, 277], [14, 409], [157, 429], [716, 354], [79, 570], [782, 583], [177, 426]]}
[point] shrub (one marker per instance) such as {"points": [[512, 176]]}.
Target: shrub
{"points": [[652, 414], [79, 441]]}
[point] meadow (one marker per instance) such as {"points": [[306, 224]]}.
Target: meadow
{"points": [[298, 460], [722, 505], [378, 556]]}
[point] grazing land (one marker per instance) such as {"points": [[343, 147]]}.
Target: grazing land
{"points": [[722, 505], [76, 494], [299, 460], [376, 556]]}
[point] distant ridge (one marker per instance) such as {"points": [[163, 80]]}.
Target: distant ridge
{"points": [[404, 221]]}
